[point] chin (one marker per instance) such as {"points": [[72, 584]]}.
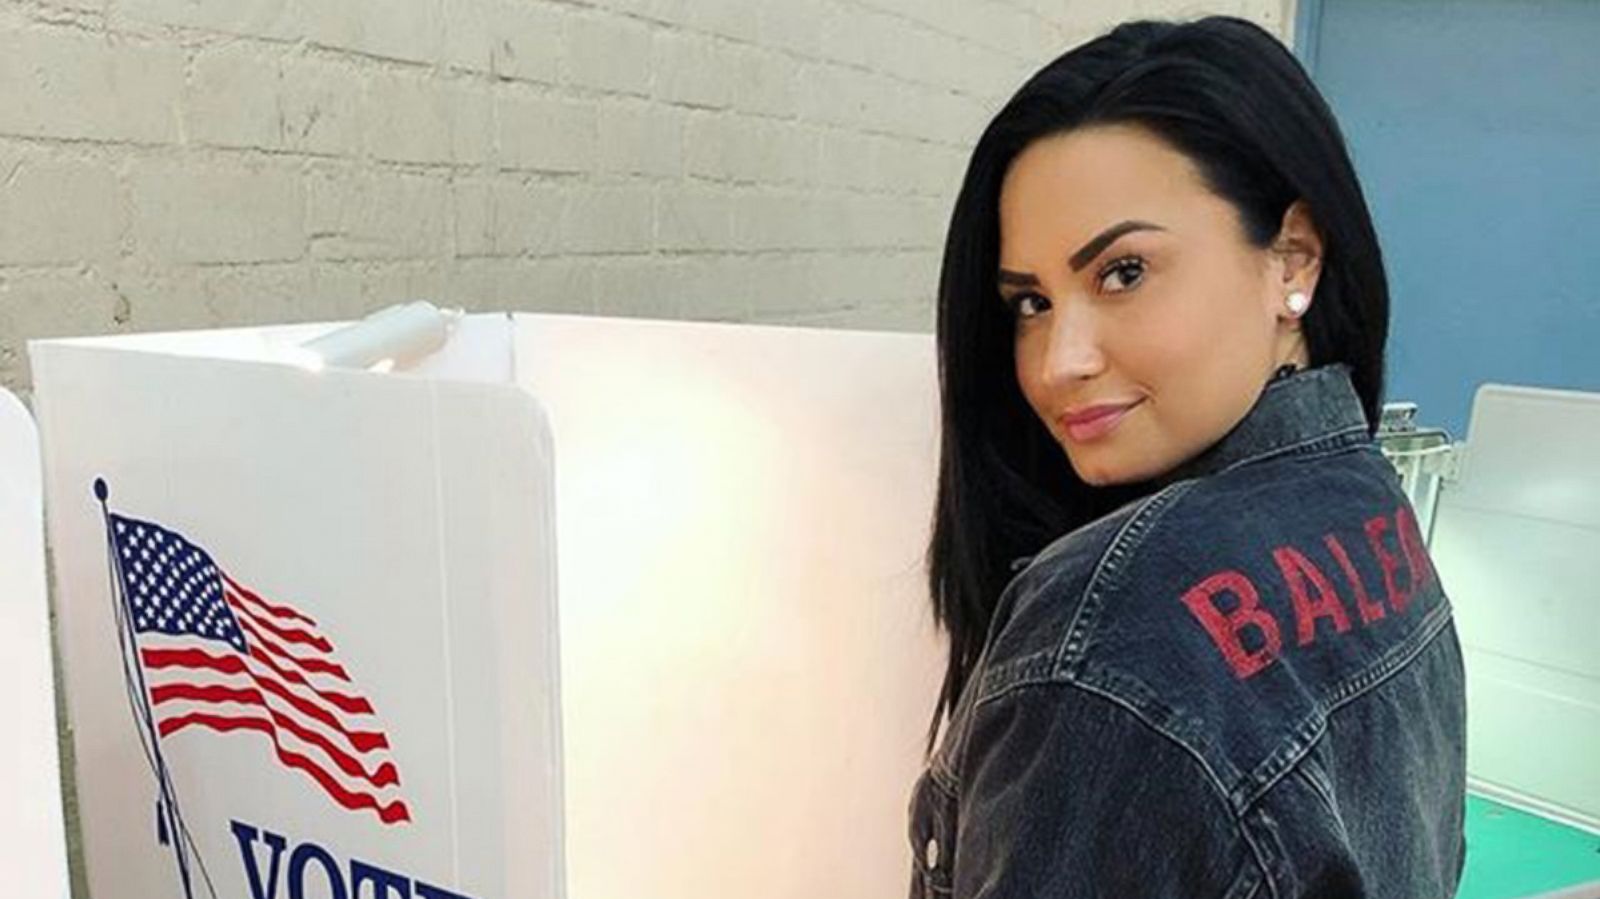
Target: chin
{"points": [[1108, 472], [1096, 473]]}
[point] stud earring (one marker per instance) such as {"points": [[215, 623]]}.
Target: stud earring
{"points": [[1298, 303]]}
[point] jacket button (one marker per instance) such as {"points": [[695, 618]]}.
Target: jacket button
{"points": [[932, 853]]}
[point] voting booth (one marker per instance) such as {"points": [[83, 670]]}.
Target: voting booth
{"points": [[572, 607]]}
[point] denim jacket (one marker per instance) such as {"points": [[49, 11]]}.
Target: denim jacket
{"points": [[1246, 684]]}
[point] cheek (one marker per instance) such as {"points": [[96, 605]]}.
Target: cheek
{"points": [[1028, 358], [1210, 323], [1200, 356], [1157, 343]]}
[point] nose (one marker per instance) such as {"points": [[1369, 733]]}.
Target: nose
{"points": [[1073, 352]]}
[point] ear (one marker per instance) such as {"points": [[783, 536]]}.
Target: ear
{"points": [[1297, 252]]}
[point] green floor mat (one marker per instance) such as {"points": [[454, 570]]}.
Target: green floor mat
{"points": [[1512, 853]]}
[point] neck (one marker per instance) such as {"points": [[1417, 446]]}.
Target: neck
{"points": [[1291, 350]]}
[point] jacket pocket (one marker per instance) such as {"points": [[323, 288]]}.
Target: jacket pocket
{"points": [[932, 832]]}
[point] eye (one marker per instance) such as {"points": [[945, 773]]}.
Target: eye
{"points": [[1027, 305], [1122, 274]]}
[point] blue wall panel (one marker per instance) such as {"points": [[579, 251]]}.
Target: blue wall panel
{"points": [[1475, 128]]}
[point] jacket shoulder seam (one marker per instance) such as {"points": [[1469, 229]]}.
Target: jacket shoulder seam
{"points": [[1259, 856], [1241, 805], [1256, 858], [1289, 754], [1212, 780], [1113, 561]]}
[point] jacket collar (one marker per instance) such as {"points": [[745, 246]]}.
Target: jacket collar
{"points": [[1308, 407]]}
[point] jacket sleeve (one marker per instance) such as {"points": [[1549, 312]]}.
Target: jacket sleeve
{"points": [[1069, 795]]}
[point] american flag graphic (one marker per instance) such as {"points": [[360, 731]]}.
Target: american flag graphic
{"points": [[217, 656]]}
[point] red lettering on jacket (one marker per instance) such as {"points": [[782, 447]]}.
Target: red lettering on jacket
{"points": [[1311, 593], [1370, 611], [1297, 569], [1225, 628], [1386, 561]]}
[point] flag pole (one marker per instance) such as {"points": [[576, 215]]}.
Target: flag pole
{"points": [[168, 821]]}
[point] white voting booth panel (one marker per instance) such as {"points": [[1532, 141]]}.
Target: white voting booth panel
{"points": [[637, 607], [408, 521], [1517, 543], [33, 849]]}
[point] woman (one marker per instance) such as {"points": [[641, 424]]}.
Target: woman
{"points": [[1197, 647]]}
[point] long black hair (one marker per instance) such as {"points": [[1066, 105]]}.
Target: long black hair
{"points": [[1231, 98]]}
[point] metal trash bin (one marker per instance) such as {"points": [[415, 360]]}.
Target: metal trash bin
{"points": [[1426, 459]]}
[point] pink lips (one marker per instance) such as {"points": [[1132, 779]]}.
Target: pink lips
{"points": [[1095, 421]]}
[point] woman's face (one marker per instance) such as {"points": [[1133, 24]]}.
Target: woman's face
{"points": [[1137, 296]]}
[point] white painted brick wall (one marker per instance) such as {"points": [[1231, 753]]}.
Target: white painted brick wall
{"points": [[56, 209], [194, 211], [196, 163]]}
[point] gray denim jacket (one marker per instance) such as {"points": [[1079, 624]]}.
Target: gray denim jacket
{"points": [[1247, 684]]}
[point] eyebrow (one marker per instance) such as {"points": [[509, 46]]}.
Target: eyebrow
{"points": [[1086, 253]]}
